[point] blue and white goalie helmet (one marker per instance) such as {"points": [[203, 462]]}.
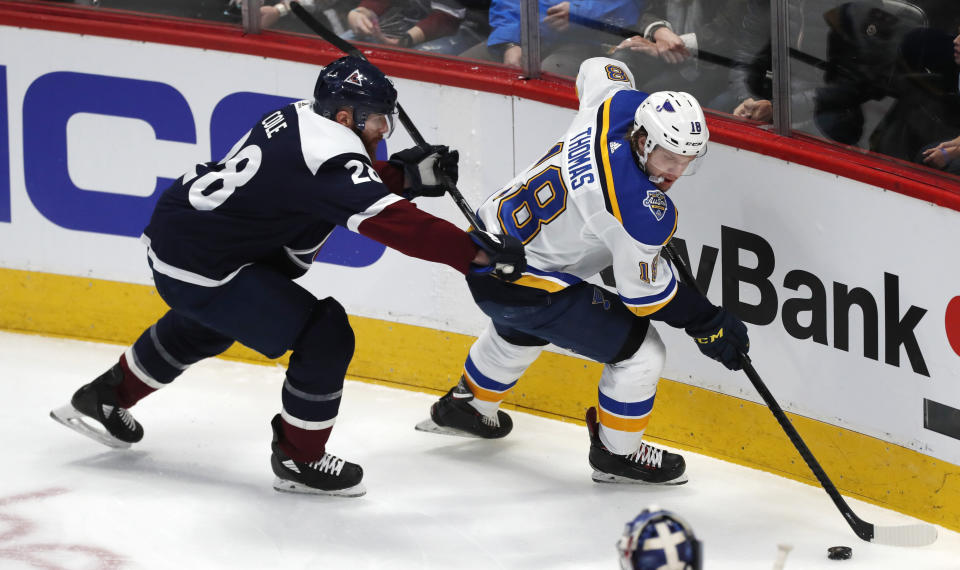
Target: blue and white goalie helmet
{"points": [[354, 82], [673, 121], [659, 540]]}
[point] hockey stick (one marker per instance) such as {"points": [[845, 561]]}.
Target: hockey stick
{"points": [[906, 535], [350, 49]]}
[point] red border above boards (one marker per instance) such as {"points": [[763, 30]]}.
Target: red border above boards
{"points": [[847, 162]]}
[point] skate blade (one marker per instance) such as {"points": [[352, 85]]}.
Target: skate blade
{"points": [[77, 421], [430, 426], [287, 486], [601, 477]]}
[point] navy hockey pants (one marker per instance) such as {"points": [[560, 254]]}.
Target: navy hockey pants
{"points": [[584, 318], [262, 309]]}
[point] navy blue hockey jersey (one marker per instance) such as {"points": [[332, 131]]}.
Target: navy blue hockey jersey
{"points": [[281, 190]]}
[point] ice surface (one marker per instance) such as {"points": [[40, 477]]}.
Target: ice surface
{"points": [[196, 492]]}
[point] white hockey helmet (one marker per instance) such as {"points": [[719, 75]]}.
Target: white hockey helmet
{"points": [[674, 121], [659, 540]]}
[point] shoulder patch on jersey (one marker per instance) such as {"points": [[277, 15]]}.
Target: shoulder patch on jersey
{"points": [[656, 202], [648, 215], [322, 139]]}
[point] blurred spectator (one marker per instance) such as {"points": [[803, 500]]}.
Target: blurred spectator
{"points": [[684, 45], [946, 155], [858, 38], [420, 23], [270, 13], [276, 13], [926, 111], [562, 46], [474, 28], [867, 46], [750, 80]]}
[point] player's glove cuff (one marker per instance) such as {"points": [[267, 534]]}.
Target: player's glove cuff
{"points": [[722, 338], [507, 259]]}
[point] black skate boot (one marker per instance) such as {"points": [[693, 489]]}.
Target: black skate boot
{"points": [[453, 415], [115, 426], [329, 475], [647, 466]]}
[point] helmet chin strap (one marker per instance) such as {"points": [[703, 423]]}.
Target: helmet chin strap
{"points": [[359, 121], [643, 164]]}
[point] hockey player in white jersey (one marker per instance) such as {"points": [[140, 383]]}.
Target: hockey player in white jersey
{"points": [[597, 198]]}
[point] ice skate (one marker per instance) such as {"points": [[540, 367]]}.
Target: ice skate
{"points": [[329, 475], [649, 465], [453, 415], [93, 412]]}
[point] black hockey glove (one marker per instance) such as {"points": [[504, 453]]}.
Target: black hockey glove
{"points": [[507, 260], [722, 338], [428, 170]]}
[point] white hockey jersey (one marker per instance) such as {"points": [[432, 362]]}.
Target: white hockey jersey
{"points": [[587, 205]]}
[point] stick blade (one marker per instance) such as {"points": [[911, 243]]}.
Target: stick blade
{"points": [[906, 535]]}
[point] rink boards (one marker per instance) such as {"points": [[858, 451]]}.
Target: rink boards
{"points": [[846, 286]]}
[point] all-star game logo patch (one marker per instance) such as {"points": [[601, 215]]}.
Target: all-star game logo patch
{"points": [[657, 203], [355, 78]]}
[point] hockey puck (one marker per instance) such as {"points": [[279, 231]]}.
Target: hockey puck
{"points": [[839, 553]]}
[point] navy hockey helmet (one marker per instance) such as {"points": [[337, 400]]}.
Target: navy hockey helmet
{"points": [[354, 82], [659, 540]]}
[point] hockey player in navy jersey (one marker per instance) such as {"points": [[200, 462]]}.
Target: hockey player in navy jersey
{"points": [[596, 199], [227, 238]]}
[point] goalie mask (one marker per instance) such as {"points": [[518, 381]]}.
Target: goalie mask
{"points": [[675, 123], [659, 540], [354, 82]]}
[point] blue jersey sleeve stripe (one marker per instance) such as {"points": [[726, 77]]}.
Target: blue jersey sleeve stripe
{"points": [[544, 284], [558, 275], [551, 281], [653, 299], [629, 409]]}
